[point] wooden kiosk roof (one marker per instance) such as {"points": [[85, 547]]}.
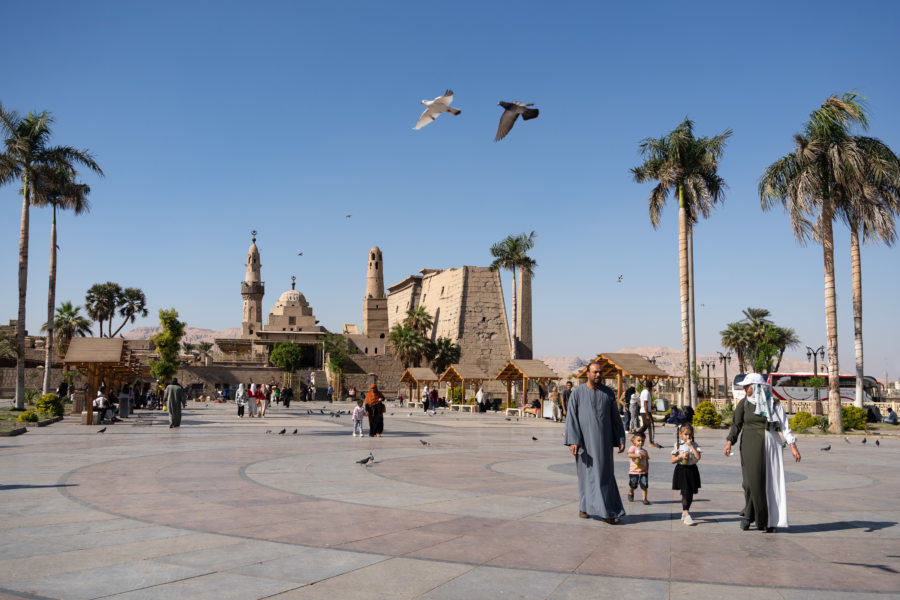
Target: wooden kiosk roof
{"points": [[416, 375], [455, 373], [103, 359], [627, 365], [520, 368]]}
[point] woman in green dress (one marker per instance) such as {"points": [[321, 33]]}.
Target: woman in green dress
{"points": [[758, 418]]}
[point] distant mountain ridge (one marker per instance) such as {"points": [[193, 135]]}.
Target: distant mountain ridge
{"points": [[192, 335]]}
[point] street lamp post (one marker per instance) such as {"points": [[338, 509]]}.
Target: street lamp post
{"points": [[725, 359], [709, 364], [814, 355]]}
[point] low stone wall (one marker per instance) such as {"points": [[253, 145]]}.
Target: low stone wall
{"points": [[34, 380]]}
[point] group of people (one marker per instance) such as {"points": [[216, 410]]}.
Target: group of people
{"points": [[372, 408], [256, 400], [594, 428]]}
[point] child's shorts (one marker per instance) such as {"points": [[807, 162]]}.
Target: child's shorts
{"points": [[636, 479]]}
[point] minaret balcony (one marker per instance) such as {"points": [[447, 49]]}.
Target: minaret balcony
{"points": [[253, 288]]}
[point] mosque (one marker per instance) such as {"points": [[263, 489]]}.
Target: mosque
{"points": [[466, 305]]}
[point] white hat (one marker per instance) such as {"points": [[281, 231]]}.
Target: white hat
{"points": [[635, 397], [752, 378]]}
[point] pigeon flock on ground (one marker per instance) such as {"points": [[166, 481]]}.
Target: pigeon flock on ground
{"points": [[511, 112]]}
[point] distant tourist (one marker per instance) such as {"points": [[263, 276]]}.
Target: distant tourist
{"points": [[565, 397], [252, 401], [646, 413], [891, 417], [330, 393], [375, 411], [287, 394], [174, 398], [593, 428], [240, 398], [358, 412]]}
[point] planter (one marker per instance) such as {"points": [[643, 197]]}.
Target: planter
{"points": [[49, 421], [13, 432]]}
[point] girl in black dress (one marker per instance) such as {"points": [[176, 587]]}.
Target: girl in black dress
{"points": [[686, 476]]}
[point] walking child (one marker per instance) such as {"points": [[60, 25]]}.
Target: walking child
{"points": [[359, 411], [686, 476], [640, 467]]}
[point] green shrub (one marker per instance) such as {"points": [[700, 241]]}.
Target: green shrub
{"points": [[28, 416], [804, 421], [853, 417], [706, 415], [50, 404], [727, 411], [31, 396]]}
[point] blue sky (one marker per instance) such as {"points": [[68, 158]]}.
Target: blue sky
{"points": [[214, 118]]}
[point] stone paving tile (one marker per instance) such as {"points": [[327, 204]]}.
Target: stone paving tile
{"points": [[221, 586], [310, 565], [702, 591], [591, 587], [504, 583], [104, 581], [397, 578], [232, 556]]}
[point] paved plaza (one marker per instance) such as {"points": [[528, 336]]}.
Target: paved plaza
{"points": [[221, 509]]}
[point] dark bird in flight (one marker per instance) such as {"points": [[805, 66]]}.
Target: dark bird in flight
{"points": [[101, 430], [295, 432], [434, 108], [511, 112], [367, 460], [348, 216], [282, 432], [825, 448], [299, 254], [424, 443]]}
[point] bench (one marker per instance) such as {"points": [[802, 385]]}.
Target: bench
{"points": [[414, 404], [463, 407], [513, 412]]}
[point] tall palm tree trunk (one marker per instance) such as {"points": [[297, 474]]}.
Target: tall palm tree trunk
{"points": [[515, 303], [683, 282], [23, 287], [835, 424], [51, 306], [856, 266], [692, 323]]}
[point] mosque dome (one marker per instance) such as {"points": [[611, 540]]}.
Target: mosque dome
{"points": [[291, 296]]}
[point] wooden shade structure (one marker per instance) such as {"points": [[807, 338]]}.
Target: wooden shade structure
{"points": [[462, 374], [106, 360], [416, 377], [524, 370], [619, 365]]}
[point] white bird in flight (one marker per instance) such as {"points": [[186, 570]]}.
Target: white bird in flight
{"points": [[511, 112], [433, 108]]}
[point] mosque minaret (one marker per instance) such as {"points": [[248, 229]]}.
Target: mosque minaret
{"points": [[252, 291], [375, 313]]}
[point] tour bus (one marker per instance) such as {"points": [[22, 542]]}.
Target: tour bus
{"points": [[789, 386]]}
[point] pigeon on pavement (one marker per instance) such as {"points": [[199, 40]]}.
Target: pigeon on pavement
{"points": [[534, 438], [863, 440], [101, 430], [424, 443], [877, 443], [433, 109], [367, 460], [511, 112], [295, 432], [282, 432], [846, 439], [826, 448]]}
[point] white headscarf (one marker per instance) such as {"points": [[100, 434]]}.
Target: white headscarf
{"points": [[761, 398]]}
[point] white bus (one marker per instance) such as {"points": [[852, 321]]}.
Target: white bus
{"points": [[790, 386]]}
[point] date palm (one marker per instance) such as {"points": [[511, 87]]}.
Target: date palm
{"points": [[131, 303], [511, 253], [812, 184], [26, 149], [101, 302], [687, 167], [407, 344], [735, 337], [442, 353], [57, 187], [68, 323], [419, 320]]}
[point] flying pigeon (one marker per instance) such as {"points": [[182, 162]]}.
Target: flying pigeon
{"points": [[282, 432], [347, 216], [620, 278], [825, 448], [424, 443], [367, 460], [863, 440], [433, 109], [846, 439], [511, 113], [295, 432], [299, 254], [101, 430]]}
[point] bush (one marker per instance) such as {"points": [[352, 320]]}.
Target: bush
{"points": [[50, 404], [853, 417], [803, 421], [706, 415], [727, 411], [31, 396], [28, 416]]}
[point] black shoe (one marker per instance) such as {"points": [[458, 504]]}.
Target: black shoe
{"points": [[647, 502], [631, 497], [769, 530], [745, 524], [582, 514]]}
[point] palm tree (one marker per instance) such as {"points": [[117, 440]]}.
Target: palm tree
{"points": [[26, 150], [510, 253], [784, 338], [419, 320], [407, 344], [68, 324], [101, 302], [870, 210], [131, 303], [735, 337], [59, 189], [686, 166], [812, 184], [442, 353]]}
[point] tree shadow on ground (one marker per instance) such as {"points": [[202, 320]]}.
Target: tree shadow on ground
{"points": [[884, 568], [869, 526]]}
